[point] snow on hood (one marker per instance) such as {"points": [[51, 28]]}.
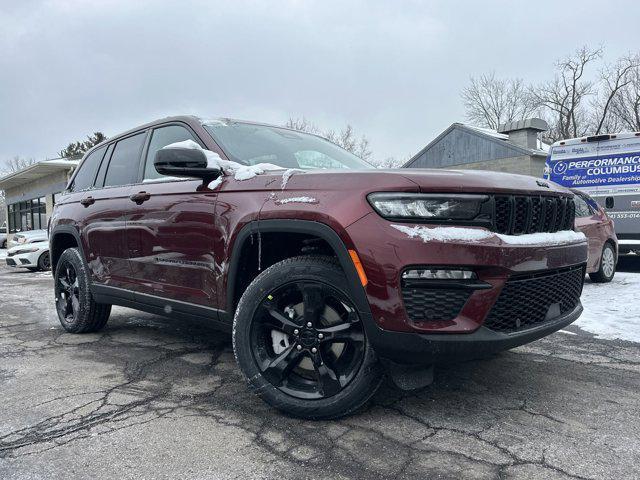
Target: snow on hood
{"points": [[462, 234], [240, 172]]}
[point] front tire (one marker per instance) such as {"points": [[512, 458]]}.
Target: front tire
{"points": [[77, 311], [44, 262], [607, 265], [300, 342]]}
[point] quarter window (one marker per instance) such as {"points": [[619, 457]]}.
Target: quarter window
{"points": [[123, 167], [87, 170], [162, 137]]}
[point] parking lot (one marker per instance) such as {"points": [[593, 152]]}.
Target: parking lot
{"points": [[154, 398]]}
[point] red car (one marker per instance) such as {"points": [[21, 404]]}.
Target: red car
{"points": [[593, 221], [328, 272]]}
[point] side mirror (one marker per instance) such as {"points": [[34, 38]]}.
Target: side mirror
{"points": [[184, 162], [609, 203]]}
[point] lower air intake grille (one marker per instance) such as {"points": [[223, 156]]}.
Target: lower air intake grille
{"points": [[528, 301], [424, 304]]}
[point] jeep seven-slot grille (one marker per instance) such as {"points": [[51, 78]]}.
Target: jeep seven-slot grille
{"points": [[518, 214], [528, 301]]}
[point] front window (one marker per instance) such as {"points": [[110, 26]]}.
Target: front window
{"points": [[251, 144]]}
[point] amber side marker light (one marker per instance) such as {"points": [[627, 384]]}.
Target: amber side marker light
{"points": [[356, 263]]}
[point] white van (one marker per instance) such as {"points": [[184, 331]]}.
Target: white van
{"points": [[606, 167]]}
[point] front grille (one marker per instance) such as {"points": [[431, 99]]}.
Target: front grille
{"points": [[528, 301], [518, 214], [24, 261], [11, 261], [424, 304]]}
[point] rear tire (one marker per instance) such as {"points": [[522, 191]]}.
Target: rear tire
{"points": [[300, 342], [607, 265], [77, 311]]}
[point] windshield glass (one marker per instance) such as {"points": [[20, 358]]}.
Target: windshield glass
{"points": [[251, 144]]}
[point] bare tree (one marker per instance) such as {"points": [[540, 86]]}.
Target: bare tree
{"points": [[345, 138], [565, 96], [16, 164], [490, 101], [613, 79], [625, 107]]}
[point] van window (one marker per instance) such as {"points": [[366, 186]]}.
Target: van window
{"points": [[161, 137], [103, 167], [123, 167], [87, 170]]}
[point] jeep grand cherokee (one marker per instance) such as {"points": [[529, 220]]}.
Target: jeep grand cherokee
{"points": [[325, 269]]}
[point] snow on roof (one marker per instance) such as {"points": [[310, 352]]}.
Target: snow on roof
{"points": [[541, 149]]}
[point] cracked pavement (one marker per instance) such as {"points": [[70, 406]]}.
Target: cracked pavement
{"points": [[151, 397]]}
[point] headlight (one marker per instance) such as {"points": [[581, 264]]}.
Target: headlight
{"points": [[429, 206], [27, 250]]}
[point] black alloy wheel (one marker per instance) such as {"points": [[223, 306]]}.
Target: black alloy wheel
{"points": [[67, 293], [307, 339]]}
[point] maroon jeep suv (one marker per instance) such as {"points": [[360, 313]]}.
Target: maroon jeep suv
{"points": [[329, 272]]}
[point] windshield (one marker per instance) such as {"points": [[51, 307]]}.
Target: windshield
{"points": [[251, 144]]}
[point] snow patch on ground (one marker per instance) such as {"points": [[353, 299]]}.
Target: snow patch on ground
{"points": [[287, 175], [297, 200], [3, 253], [612, 310], [462, 234], [240, 172]]}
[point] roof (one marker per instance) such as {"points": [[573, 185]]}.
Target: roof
{"points": [[618, 136], [487, 133], [37, 170]]}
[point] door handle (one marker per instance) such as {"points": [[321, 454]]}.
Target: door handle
{"points": [[140, 197], [86, 201]]}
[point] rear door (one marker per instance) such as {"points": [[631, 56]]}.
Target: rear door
{"points": [[172, 229], [106, 209]]}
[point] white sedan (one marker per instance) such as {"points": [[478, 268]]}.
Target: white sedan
{"points": [[34, 256]]}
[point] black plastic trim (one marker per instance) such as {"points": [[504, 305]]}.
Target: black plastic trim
{"points": [[305, 227], [158, 305]]}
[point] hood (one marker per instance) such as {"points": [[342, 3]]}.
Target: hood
{"points": [[481, 181], [400, 179]]}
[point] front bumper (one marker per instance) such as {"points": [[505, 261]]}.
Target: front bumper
{"points": [[22, 261], [428, 349], [385, 252]]}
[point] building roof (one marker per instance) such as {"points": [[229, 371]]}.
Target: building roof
{"points": [[37, 170], [486, 133]]}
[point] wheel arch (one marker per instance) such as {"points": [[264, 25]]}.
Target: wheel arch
{"points": [[293, 226], [63, 237]]}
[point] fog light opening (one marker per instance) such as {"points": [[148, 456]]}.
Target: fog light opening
{"points": [[438, 274]]}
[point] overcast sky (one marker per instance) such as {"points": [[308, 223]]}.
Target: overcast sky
{"points": [[393, 69]]}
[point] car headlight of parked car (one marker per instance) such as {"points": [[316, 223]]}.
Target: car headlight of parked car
{"points": [[427, 207], [26, 250]]}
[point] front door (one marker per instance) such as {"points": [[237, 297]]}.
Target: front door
{"points": [[171, 232]]}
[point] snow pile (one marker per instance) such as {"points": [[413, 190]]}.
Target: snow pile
{"points": [[287, 175], [612, 310], [444, 234], [239, 171], [297, 200], [462, 234], [557, 238]]}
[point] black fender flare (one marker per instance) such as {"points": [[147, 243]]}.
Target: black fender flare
{"points": [[308, 227], [66, 229]]}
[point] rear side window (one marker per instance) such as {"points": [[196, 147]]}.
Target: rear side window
{"points": [[123, 167], [87, 170], [161, 137]]}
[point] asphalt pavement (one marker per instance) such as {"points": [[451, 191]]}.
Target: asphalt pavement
{"points": [[151, 397]]}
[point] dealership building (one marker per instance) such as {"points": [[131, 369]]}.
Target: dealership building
{"points": [[31, 193], [514, 148]]}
